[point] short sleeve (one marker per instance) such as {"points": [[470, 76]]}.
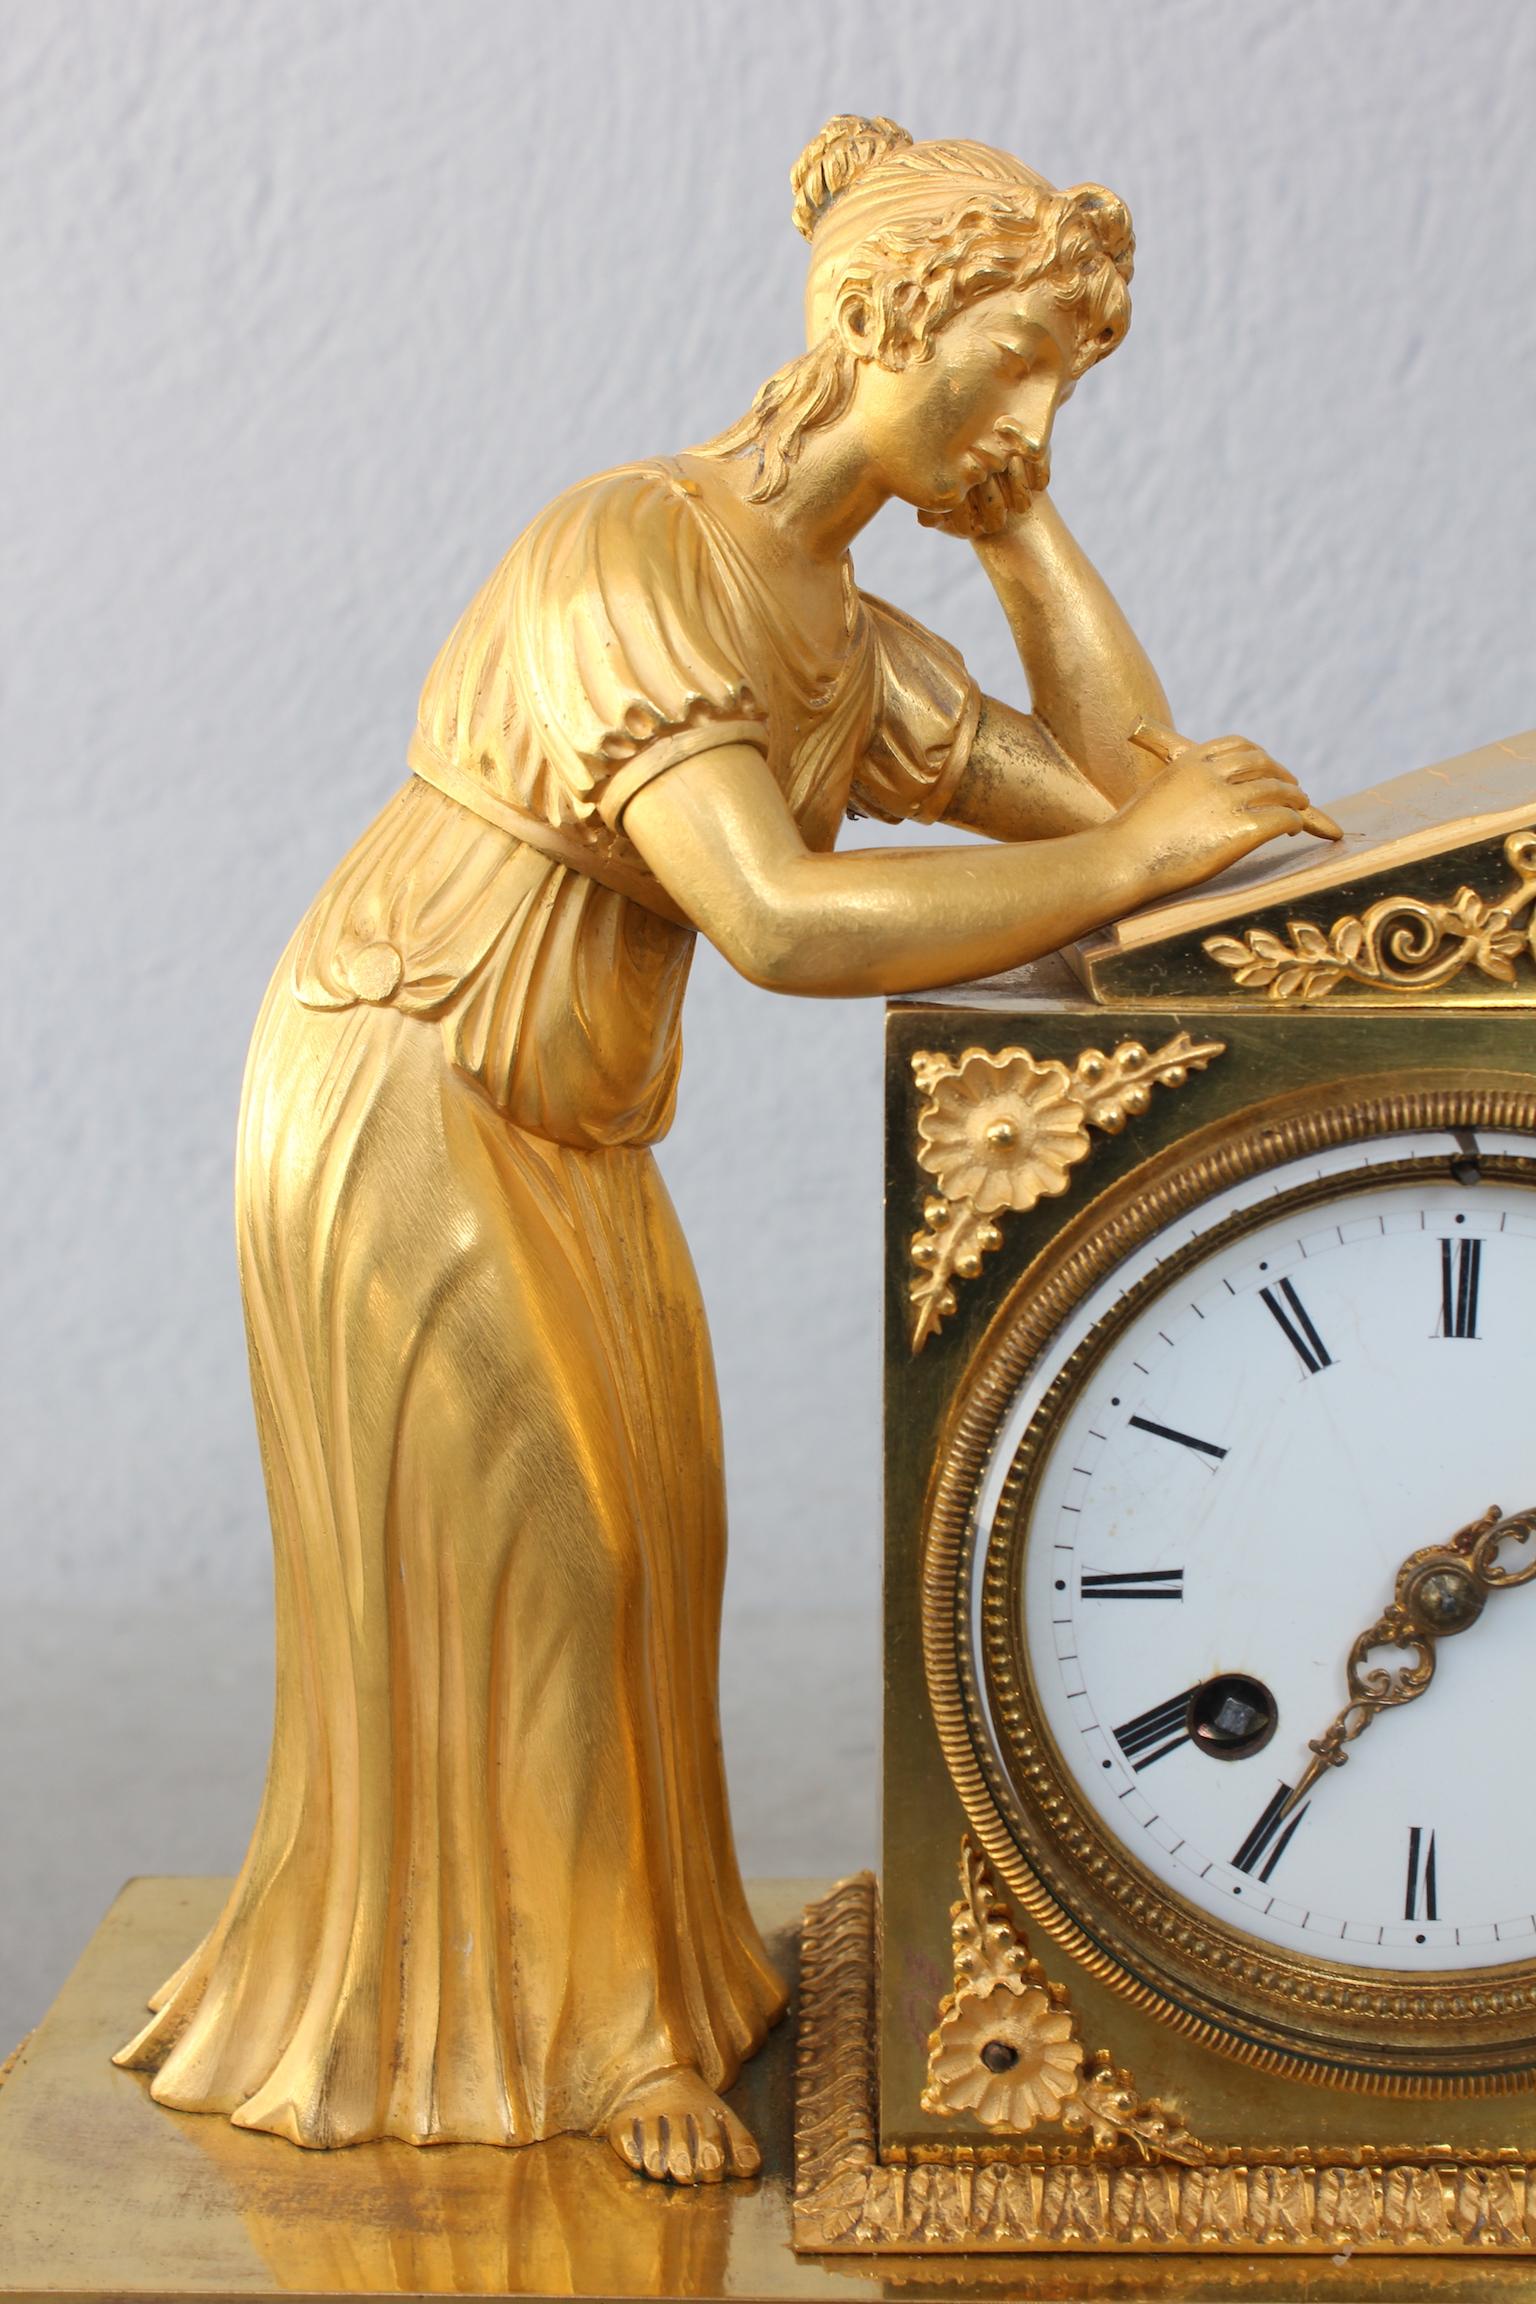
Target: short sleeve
{"points": [[602, 652], [924, 724]]}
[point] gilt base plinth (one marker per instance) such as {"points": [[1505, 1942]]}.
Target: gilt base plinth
{"points": [[104, 2194]]}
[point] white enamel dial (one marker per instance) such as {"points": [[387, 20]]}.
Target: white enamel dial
{"points": [[1223, 1506]]}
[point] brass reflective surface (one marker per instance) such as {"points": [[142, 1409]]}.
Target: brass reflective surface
{"points": [[104, 2194]]}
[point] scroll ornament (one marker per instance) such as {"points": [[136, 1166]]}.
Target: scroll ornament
{"points": [[1004, 1131], [1400, 944], [1007, 2050]]}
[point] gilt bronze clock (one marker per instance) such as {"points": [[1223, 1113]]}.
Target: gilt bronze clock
{"points": [[1211, 1580]]}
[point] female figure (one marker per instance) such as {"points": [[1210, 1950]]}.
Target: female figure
{"points": [[492, 1893]]}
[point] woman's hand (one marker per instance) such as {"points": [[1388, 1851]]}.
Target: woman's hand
{"points": [[995, 500], [1213, 804]]}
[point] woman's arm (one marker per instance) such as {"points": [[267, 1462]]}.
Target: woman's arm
{"points": [[1076, 758], [1089, 678], [1071, 762], [719, 838], [1018, 784]]}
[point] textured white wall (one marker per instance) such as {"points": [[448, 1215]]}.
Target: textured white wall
{"points": [[306, 308]]}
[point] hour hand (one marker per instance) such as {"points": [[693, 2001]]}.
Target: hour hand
{"points": [[1440, 1590]]}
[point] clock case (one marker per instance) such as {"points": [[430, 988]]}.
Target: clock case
{"points": [[1401, 967]]}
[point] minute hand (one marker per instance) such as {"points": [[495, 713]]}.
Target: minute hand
{"points": [[1440, 1591]]}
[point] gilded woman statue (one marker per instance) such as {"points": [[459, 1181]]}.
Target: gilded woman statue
{"points": [[492, 1894]]}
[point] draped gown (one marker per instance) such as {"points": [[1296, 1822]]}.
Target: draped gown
{"points": [[492, 1882]]}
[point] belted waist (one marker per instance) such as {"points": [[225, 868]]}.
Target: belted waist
{"points": [[579, 851]]}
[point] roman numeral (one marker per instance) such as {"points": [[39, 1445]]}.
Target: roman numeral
{"points": [[1461, 1273], [1264, 1832], [1184, 1439], [1296, 1325], [1152, 1735], [1135, 1584], [1422, 1901]]}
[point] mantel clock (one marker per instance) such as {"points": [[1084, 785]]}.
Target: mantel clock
{"points": [[1211, 1579]]}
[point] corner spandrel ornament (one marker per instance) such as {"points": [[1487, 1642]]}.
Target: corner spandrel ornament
{"points": [[1000, 1131], [1007, 2050]]}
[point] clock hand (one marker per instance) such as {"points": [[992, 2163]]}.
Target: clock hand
{"points": [[1441, 1590]]}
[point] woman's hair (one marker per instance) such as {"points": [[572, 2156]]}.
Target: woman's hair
{"points": [[903, 236]]}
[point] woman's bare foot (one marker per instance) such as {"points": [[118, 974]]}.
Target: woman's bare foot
{"points": [[674, 2128]]}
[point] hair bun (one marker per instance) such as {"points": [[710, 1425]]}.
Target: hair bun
{"points": [[1111, 222], [844, 151]]}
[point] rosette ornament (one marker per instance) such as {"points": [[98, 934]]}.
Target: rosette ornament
{"points": [[1008, 2054], [1000, 1130]]}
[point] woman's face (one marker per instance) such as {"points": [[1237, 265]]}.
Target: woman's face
{"points": [[989, 391]]}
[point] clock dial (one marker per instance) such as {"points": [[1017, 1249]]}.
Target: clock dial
{"points": [[1196, 1498], [1323, 1372]]}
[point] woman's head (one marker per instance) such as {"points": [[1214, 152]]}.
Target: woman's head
{"points": [[908, 238], [905, 235]]}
